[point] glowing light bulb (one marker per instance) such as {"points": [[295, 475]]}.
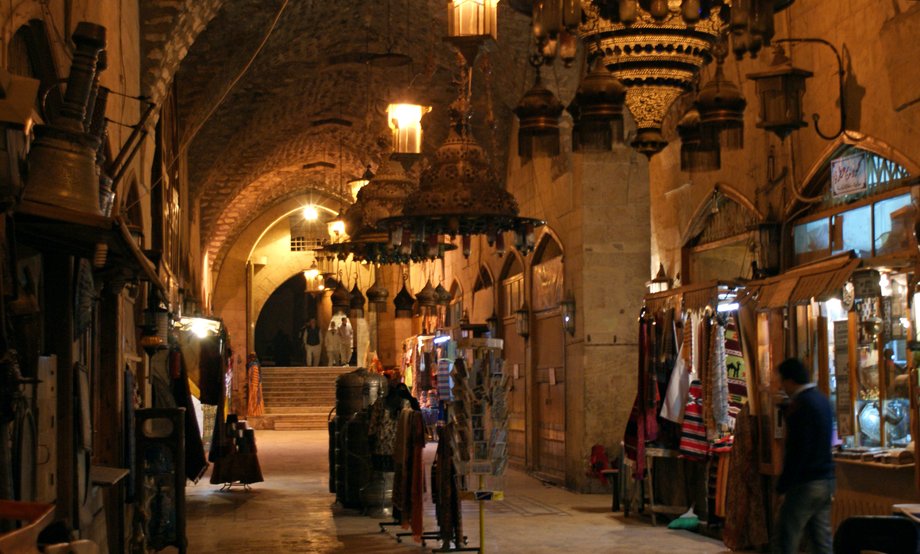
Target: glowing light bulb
{"points": [[310, 213]]}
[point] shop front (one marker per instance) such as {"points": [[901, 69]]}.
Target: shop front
{"points": [[846, 308]]}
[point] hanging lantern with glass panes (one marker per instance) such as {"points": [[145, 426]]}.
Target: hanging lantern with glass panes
{"points": [[405, 121], [780, 90]]}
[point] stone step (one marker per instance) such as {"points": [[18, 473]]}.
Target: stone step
{"points": [[295, 410], [290, 422]]}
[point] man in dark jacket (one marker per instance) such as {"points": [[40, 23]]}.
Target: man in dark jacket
{"points": [[807, 480]]}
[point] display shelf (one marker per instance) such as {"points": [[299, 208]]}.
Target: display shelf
{"points": [[863, 463]]}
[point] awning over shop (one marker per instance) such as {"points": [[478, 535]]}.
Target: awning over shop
{"points": [[690, 297], [819, 280]]}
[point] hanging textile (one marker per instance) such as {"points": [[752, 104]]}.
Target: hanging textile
{"points": [[721, 451], [444, 492], [736, 371], [693, 443], [195, 462], [675, 400], [715, 384], [746, 522], [255, 403], [642, 425]]}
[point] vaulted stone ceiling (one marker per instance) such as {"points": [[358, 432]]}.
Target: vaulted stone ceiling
{"points": [[281, 115]]}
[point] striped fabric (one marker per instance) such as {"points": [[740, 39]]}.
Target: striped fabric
{"points": [[693, 443]]}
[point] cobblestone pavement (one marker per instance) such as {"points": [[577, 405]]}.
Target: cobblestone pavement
{"points": [[292, 511]]}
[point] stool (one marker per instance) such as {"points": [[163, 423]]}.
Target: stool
{"points": [[613, 475], [651, 454]]}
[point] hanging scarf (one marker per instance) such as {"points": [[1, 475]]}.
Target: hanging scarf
{"points": [[719, 380], [642, 425]]}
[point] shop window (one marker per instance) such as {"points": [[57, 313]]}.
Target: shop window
{"points": [[812, 240], [869, 326], [853, 231], [893, 220]]}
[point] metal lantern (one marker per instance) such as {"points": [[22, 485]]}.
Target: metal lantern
{"points": [[443, 295], [699, 146], [538, 112], [356, 302], [405, 121], [341, 298], [522, 318], [427, 297], [472, 18], [355, 185], [377, 295], [403, 302], [780, 90], [470, 23], [661, 282], [721, 107], [597, 111]]}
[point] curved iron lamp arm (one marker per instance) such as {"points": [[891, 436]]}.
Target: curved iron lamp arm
{"points": [[841, 76]]}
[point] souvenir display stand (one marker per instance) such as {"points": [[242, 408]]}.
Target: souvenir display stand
{"points": [[472, 445]]}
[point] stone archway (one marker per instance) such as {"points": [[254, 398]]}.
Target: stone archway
{"points": [[280, 321]]}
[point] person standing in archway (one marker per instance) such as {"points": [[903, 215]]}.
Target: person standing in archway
{"points": [[312, 344], [332, 344], [346, 340]]}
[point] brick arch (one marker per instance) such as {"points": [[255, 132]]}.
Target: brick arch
{"points": [[168, 29], [255, 201], [304, 93]]}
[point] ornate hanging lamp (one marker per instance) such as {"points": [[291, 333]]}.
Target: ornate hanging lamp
{"points": [[538, 113], [721, 106], [597, 111], [699, 145], [657, 47], [383, 197], [459, 193]]}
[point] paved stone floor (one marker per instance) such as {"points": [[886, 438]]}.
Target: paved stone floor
{"points": [[292, 511]]}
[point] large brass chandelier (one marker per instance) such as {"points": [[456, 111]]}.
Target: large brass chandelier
{"points": [[383, 197], [655, 48]]}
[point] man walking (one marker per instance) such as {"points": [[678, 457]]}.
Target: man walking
{"points": [[312, 344], [807, 480], [346, 340]]}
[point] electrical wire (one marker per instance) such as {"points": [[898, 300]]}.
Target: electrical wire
{"points": [[184, 145]]}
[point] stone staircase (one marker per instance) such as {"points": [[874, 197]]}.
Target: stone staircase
{"points": [[297, 398]]}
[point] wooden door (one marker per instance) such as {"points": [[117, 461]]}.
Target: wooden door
{"points": [[549, 396], [517, 393]]}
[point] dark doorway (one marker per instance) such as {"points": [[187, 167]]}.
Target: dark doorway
{"points": [[282, 317]]}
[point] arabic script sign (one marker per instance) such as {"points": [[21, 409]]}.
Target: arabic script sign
{"points": [[849, 175]]}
